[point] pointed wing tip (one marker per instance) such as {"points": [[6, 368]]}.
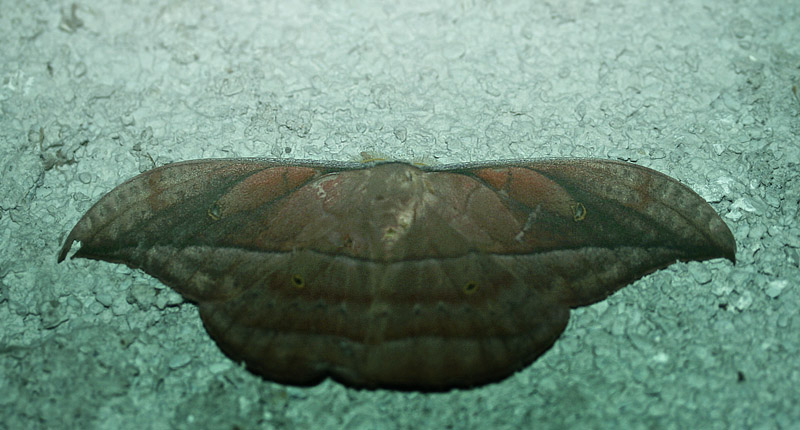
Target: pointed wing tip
{"points": [[727, 245], [730, 254], [62, 254], [64, 250], [725, 249]]}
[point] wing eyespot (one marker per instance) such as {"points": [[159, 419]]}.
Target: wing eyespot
{"points": [[578, 211], [470, 287], [298, 281], [215, 212]]}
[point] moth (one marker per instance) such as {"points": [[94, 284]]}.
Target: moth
{"points": [[388, 274]]}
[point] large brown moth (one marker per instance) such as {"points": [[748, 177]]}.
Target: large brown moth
{"points": [[388, 274]]}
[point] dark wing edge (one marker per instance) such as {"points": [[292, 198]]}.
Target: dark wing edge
{"points": [[192, 177]]}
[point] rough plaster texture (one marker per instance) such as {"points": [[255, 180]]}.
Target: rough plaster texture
{"points": [[96, 92]]}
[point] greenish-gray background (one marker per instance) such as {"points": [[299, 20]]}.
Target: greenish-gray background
{"points": [[92, 93]]}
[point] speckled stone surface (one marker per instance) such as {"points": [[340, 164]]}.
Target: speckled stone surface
{"points": [[707, 93]]}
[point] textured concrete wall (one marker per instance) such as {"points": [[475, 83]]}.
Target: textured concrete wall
{"points": [[91, 95]]}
